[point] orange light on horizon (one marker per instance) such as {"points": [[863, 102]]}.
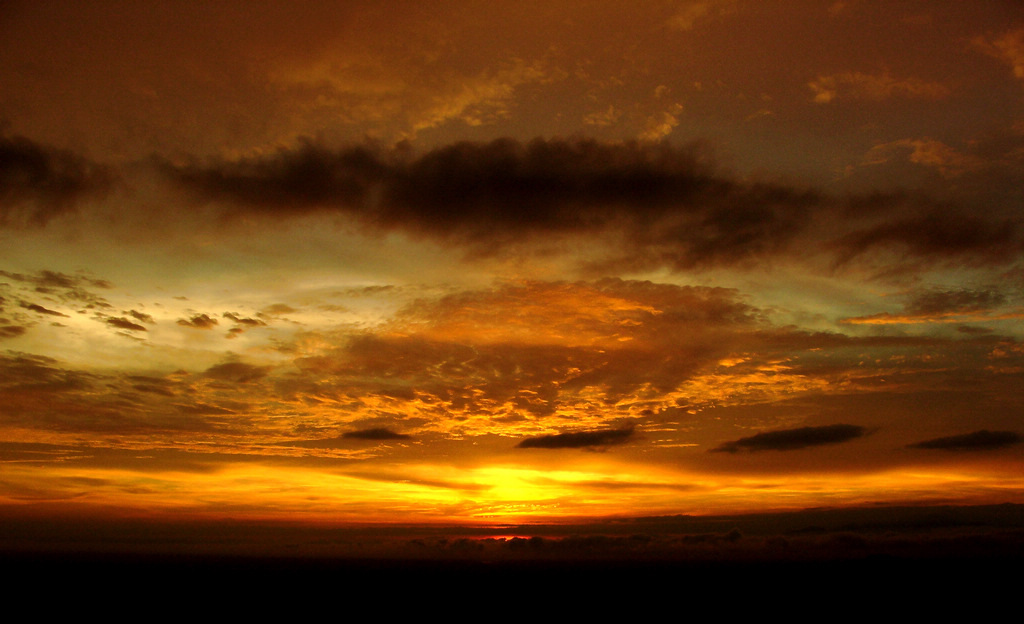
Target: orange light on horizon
{"points": [[505, 494]]}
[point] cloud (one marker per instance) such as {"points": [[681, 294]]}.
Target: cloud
{"points": [[940, 235], [659, 126], [524, 186], [39, 372], [481, 99], [793, 439], [691, 12], [345, 440], [1008, 48], [11, 331], [236, 372], [154, 385], [141, 316], [655, 205], [278, 309], [962, 300], [40, 393], [377, 433], [610, 312], [1011, 48], [944, 306], [123, 323], [41, 310], [983, 440], [504, 192], [242, 323], [530, 350], [55, 279], [38, 182], [603, 118], [248, 322], [74, 289], [368, 87], [199, 321], [861, 86], [519, 355], [928, 152], [579, 439]]}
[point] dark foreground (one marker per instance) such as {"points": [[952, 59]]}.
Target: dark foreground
{"points": [[181, 586], [921, 558]]}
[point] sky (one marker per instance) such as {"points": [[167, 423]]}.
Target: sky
{"points": [[473, 262]]}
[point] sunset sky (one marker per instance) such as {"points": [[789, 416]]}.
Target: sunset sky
{"points": [[480, 262]]}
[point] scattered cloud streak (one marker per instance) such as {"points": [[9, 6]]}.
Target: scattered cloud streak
{"points": [[983, 440], [11, 331], [34, 307], [580, 439], [199, 321], [75, 291], [376, 433], [947, 160], [793, 439], [862, 86], [946, 306], [123, 323], [237, 372], [693, 12]]}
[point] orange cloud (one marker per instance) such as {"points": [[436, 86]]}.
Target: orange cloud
{"points": [[691, 12], [929, 152], [945, 306], [1009, 48], [886, 318], [877, 87]]}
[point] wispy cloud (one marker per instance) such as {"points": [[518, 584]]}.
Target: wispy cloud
{"points": [[1008, 47], [945, 306], [862, 86], [693, 12]]}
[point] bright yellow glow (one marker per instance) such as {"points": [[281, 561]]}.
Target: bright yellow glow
{"points": [[435, 493]]}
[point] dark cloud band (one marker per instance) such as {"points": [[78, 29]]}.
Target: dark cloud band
{"points": [[504, 191], [378, 433], [983, 440], [668, 205], [793, 439], [579, 439]]}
